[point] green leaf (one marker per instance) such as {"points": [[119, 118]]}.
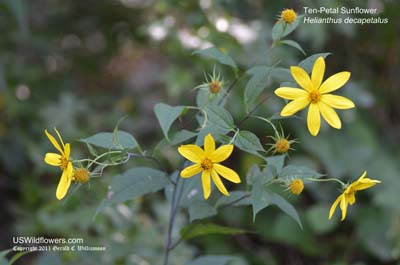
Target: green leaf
{"points": [[294, 45], [176, 138], [166, 115], [261, 199], [256, 84], [233, 199], [281, 29], [248, 142], [211, 260], [258, 177], [301, 172], [216, 54], [200, 210], [276, 162], [199, 229], [106, 140], [4, 253], [133, 183], [280, 75], [308, 62], [220, 118]]}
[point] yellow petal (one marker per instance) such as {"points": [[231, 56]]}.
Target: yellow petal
{"points": [[218, 183], [209, 144], [65, 182], [364, 174], [343, 207], [227, 173], [318, 71], [54, 141], [67, 151], [330, 115], [290, 93], [190, 171], [337, 102], [351, 198], [206, 181], [191, 152], [222, 153], [301, 77], [294, 106], [334, 82], [53, 159], [59, 137], [313, 119], [365, 184], [334, 205]]}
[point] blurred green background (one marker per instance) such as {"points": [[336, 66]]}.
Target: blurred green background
{"points": [[82, 65]]}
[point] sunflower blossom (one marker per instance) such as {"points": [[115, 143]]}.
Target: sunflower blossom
{"points": [[207, 162], [60, 160], [315, 94], [348, 196]]}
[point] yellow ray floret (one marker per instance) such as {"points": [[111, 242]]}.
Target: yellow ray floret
{"points": [[61, 160], [315, 94], [207, 162], [348, 196]]}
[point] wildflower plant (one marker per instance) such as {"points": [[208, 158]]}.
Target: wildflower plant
{"points": [[217, 138]]}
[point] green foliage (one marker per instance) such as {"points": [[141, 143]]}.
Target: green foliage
{"points": [[200, 229], [281, 29], [256, 84], [133, 183], [249, 142], [261, 198], [308, 62], [301, 172], [293, 44], [216, 54], [108, 140], [214, 260], [200, 210], [235, 198], [166, 115], [220, 118]]}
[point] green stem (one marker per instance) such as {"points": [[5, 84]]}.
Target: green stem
{"points": [[327, 180]]}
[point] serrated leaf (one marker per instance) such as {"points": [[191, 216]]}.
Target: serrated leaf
{"points": [[308, 62], [220, 118], [211, 260], [294, 45], [281, 29], [216, 54], [166, 115], [133, 183], [200, 210], [106, 140], [261, 199], [256, 84], [258, 177], [199, 229], [248, 142], [235, 198]]}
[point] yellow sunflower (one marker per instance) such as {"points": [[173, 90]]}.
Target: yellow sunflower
{"points": [[348, 196], [207, 162], [314, 93], [60, 160]]}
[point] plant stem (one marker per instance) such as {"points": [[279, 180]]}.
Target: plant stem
{"points": [[326, 180], [253, 110], [176, 197], [230, 88]]}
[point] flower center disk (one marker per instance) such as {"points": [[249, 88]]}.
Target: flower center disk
{"points": [[64, 163], [315, 96], [206, 164]]}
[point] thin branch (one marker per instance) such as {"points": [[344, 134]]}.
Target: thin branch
{"points": [[253, 110]]}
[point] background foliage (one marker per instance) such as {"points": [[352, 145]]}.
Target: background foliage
{"points": [[82, 65]]}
